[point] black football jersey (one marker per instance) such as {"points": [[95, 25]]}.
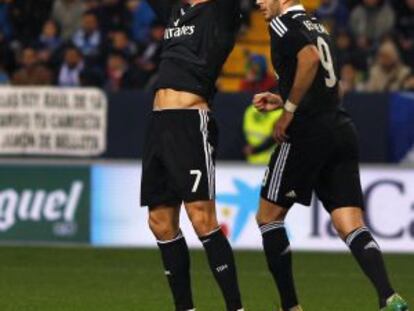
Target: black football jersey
{"points": [[197, 42], [290, 33]]}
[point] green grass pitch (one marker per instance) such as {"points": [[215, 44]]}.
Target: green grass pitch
{"points": [[88, 279]]}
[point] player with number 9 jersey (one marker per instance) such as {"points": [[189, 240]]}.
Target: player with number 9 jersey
{"points": [[320, 126], [290, 33]]}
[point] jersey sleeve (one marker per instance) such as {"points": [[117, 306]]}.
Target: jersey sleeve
{"points": [[162, 8], [290, 40]]}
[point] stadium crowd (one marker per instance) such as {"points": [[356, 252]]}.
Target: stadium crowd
{"points": [[116, 44]]}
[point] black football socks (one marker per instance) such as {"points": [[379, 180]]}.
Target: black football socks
{"points": [[369, 257], [176, 260], [279, 259], [222, 264]]}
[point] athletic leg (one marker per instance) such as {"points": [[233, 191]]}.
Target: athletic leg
{"points": [[270, 219], [219, 253], [349, 223], [164, 223]]}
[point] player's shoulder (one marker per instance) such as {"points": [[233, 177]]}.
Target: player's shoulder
{"points": [[290, 22]]}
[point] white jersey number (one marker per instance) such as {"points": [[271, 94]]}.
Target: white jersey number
{"points": [[327, 62], [197, 174]]}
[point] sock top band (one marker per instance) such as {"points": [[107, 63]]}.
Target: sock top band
{"points": [[178, 237], [274, 225], [354, 234]]}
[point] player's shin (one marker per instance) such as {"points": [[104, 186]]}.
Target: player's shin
{"points": [[279, 259], [221, 261], [176, 259], [369, 257]]}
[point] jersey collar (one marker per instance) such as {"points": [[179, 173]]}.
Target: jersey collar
{"points": [[297, 7]]}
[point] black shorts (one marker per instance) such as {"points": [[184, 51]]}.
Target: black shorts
{"points": [[323, 159], [179, 158]]}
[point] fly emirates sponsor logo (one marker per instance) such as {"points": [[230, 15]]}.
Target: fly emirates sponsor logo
{"points": [[178, 31]]}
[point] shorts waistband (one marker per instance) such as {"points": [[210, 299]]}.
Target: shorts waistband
{"points": [[178, 111]]}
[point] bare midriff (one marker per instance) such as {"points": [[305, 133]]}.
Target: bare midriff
{"points": [[172, 99]]}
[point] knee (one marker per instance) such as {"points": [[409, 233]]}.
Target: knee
{"points": [[162, 230], [345, 231], [269, 212], [203, 221]]}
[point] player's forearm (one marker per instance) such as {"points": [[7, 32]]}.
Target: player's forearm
{"points": [[307, 68]]}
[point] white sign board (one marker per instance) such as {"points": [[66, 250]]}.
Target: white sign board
{"points": [[117, 219], [52, 121]]}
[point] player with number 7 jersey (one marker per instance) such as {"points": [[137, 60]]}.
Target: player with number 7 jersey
{"points": [[318, 151]]}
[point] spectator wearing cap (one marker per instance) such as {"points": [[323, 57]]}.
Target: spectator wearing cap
{"points": [[88, 38], [388, 72], [71, 68], [68, 14], [371, 21], [257, 79], [405, 29], [31, 71], [333, 13], [142, 16]]}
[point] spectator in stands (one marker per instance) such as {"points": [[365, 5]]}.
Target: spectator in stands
{"points": [[388, 72], [371, 21], [120, 75], [405, 29], [88, 39], [409, 83], [347, 53], [69, 73], [142, 17], [257, 79], [112, 15], [333, 13], [49, 41], [92, 6], [7, 55], [350, 79], [149, 56], [31, 71], [68, 14], [120, 43], [28, 17], [5, 25]]}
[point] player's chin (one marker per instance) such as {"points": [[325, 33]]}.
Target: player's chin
{"points": [[267, 17]]}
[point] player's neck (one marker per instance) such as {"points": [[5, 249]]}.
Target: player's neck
{"points": [[195, 2], [290, 5]]}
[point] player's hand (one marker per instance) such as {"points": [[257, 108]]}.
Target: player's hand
{"points": [[281, 127], [267, 101]]}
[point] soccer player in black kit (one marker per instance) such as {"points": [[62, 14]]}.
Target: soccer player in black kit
{"points": [[318, 151], [179, 154]]}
